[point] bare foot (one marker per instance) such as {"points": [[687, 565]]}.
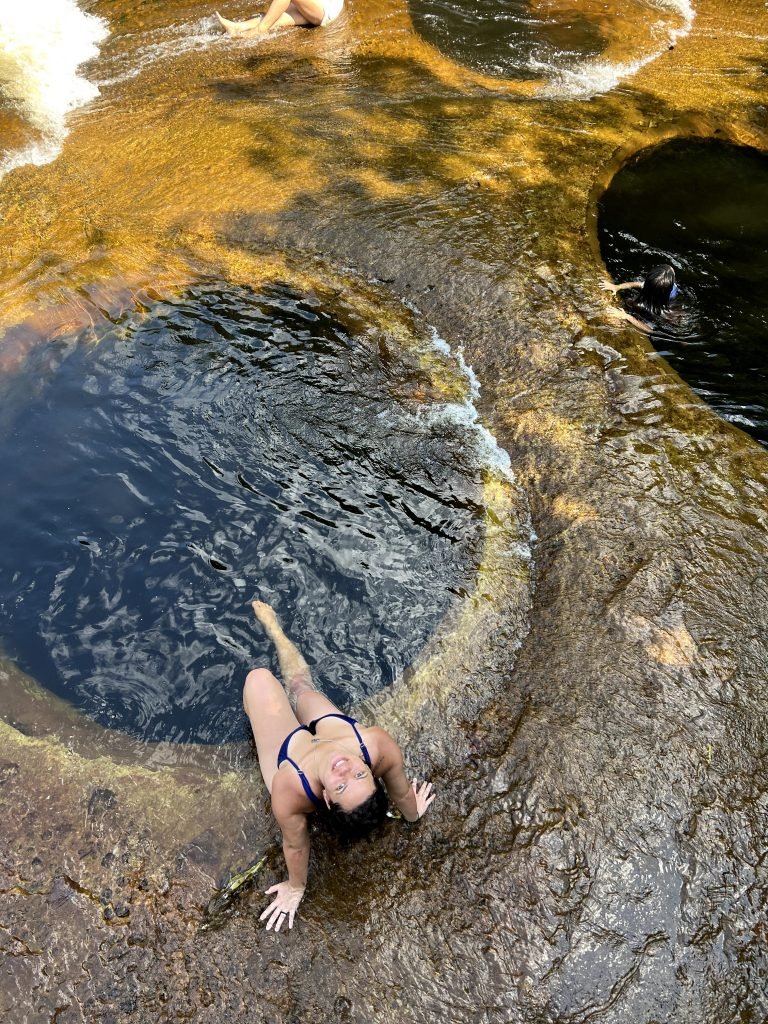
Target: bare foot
{"points": [[231, 27], [239, 28], [265, 613]]}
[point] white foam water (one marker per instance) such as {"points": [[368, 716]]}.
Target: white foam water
{"points": [[164, 44], [487, 450], [42, 45], [594, 77], [464, 414], [491, 455]]}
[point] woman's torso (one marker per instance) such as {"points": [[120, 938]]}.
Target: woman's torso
{"points": [[307, 750]]}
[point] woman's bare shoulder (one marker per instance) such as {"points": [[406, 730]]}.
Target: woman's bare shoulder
{"points": [[383, 748], [375, 732], [287, 795]]}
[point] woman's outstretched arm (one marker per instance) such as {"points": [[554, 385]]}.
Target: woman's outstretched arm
{"points": [[293, 824], [410, 798], [609, 286]]}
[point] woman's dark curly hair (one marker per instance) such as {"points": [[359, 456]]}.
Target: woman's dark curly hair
{"points": [[362, 819]]}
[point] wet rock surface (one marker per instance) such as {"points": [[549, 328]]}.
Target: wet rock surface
{"points": [[599, 747]]}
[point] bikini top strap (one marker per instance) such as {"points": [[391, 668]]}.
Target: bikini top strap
{"points": [[305, 783], [363, 748], [353, 723]]}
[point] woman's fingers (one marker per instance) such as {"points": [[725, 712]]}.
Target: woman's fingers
{"points": [[276, 920], [270, 910], [424, 797], [277, 917], [423, 789], [283, 907]]}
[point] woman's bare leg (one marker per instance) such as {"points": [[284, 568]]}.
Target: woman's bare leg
{"points": [[309, 702], [280, 14], [271, 717], [306, 12], [240, 28]]}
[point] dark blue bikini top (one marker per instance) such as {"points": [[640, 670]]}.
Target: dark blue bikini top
{"points": [[311, 728]]}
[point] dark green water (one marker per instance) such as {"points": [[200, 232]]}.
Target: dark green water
{"points": [[701, 206], [228, 446], [507, 38]]}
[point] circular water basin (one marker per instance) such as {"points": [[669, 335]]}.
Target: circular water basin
{"points": [[701, 206], [226, 445], [509, 38]]}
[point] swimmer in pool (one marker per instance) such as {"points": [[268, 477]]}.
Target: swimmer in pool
{"points": [[656, 293], [285, 14], [318, 759]]}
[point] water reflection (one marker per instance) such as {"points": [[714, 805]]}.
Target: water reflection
{"points": [[509, 38], [701, 206], [227, 445]]}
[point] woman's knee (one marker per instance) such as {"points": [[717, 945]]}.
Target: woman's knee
{"points": [[257, 681]]}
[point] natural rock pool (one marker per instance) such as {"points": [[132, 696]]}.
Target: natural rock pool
{"points": [[223, 445], [509, 39], [701, 206], [585, 687]]}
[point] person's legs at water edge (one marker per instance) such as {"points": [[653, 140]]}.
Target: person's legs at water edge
{"points": [[279, 14], [309, 702], [271, 716]]}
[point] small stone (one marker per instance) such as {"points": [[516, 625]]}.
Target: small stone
{"points": [[8, 770], [101, 800], [121, 910]]}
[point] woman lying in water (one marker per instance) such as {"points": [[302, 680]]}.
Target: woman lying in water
{"points": [[656, 293], [318, 759], [285, 14]]}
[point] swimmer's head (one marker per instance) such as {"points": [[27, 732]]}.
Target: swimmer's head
{"points": [[357, 821], [659, 288]]}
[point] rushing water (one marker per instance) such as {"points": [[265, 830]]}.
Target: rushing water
{"points": [[227, 446], [43, 43], [701, 206]]}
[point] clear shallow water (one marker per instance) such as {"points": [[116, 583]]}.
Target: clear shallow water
{"points": [[228, 446], [701, 206]]}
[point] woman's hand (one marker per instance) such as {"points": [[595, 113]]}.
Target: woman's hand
{"points": [[424, 796], [285, 904]]}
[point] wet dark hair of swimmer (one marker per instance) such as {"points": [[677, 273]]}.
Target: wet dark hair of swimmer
{"points": [[659, 288], [361, 820]]}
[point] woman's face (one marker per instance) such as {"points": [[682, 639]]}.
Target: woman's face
{"points": [[347, 780]]}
